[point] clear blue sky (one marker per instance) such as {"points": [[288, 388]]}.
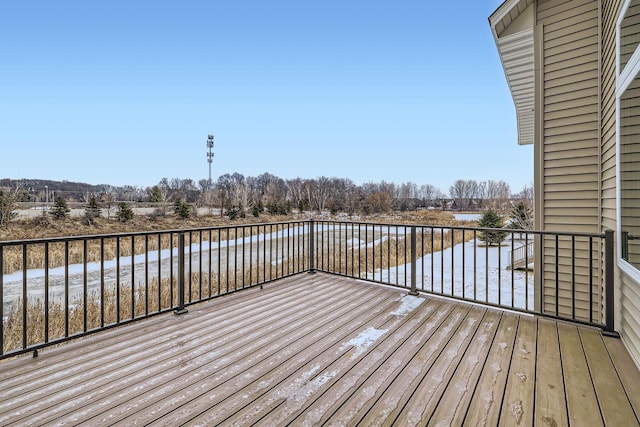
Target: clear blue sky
{"points": [[125, 92]]}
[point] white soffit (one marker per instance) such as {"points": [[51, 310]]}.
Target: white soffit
{"points": [[516, 52], [512, 26]]}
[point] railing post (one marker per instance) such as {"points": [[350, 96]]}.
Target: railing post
{"points": [[180, 309], [608, 282], [312, 239], [413, 290]]}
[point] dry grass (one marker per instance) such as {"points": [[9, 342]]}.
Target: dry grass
{"points": [[121, 306], [75, 254], [391, 253], [127, 303]]}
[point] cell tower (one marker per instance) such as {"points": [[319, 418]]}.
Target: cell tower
{"points": [[210, 155]]}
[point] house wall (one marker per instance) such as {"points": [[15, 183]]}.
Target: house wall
{"points": [[569, 189], [627, 291]]}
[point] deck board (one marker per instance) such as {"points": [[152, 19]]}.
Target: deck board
{"points": [[486, 402], [452, 406], [327, 350], [550, 403], [582, 402], [624, 366], [606, 384], [517, 405]]}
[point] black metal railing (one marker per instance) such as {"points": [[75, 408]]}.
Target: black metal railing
{"points": [[53, 290], [563, 276]]}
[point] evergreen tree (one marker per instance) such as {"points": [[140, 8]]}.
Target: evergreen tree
{"points": [[257, 208], [60, 210], [182, 209], [124, 213], [155, 195], [92, 210], [491, 219]]}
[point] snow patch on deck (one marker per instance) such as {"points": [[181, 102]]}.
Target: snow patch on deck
{"points": [[363, 340], [407, 304]]}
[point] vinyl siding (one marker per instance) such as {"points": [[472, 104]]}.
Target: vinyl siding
{"points": [[570, 122], [627, 313]]}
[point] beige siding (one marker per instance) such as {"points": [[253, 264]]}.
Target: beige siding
{"points": [[627, 313], [570, 125], [628, 322], [629, 32]]}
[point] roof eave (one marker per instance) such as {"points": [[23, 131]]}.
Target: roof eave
{"points": [[513, 34]]}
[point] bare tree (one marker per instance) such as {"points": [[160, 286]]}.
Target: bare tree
{"points": [[320, 192], [108, 198], [298, 194], [8, 204], [526, 194], [463, 192], [429, 193]]}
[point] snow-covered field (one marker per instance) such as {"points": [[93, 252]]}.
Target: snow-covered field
{"points": [[474, 271], [480, 277]]}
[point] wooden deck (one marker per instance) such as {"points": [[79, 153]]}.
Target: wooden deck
{"points": [[320, 349]]}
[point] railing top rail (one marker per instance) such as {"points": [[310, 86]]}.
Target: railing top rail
{"points": [[466, 228], [143, 233]]}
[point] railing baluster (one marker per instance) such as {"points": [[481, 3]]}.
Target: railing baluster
{"points": [[251, 255], [475, 265], [85, 292], [219, 272], [432, 251], [181, 285], [146, 274], [133, 281], [464, 266], [2, 301], [557, 275], [526, 272], [453, 257], [573, 277], [499, 276], [102, 321], [46, 294], [171, 276], [609, 277], [159, 272], [210, 264], [117, 279], [513, 273], [311, 247], [25, 326], [413, 262], [66, 288]]}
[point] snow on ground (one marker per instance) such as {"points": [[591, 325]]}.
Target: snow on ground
{"points": [[480, 273], [484, 269], [12, 283]]}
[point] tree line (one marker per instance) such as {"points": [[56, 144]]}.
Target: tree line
{"points": [[237, 194]]}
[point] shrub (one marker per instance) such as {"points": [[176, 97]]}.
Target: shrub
{"points": [[280, 207]]}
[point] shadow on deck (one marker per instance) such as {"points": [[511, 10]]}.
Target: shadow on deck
{"points": [[316, 348]]}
